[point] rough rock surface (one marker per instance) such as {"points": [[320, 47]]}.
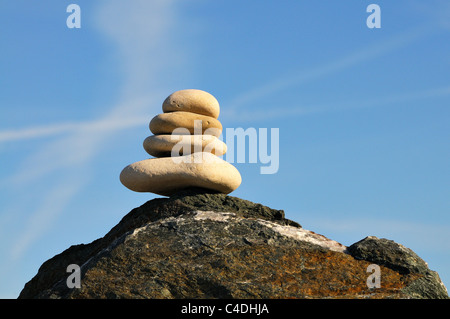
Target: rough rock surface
{"points": [[197, 244]]}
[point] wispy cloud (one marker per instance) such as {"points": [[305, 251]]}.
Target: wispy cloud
{"points": [[337, 106], [135, 50], [77, 147], [300, 77], [112, 123], [54, 201], [140, 32], [94, 126]]}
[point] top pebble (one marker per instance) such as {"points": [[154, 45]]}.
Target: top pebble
{"points": [[194, 101]]}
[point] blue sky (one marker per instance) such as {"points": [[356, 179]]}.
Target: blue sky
{"points": [[363, 114]]}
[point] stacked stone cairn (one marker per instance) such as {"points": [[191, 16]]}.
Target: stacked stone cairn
{"points": [[186, 147]]}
